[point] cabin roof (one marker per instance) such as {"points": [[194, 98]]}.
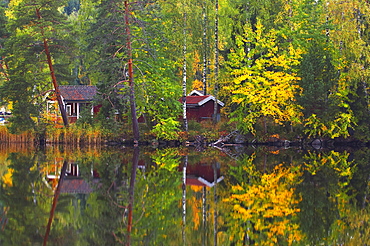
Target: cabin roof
{"points": [[77, 92]]}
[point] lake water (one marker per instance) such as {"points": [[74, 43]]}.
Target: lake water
{"points": [[240, 195]]}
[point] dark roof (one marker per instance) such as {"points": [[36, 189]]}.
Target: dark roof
{"points": [[77, 92]]}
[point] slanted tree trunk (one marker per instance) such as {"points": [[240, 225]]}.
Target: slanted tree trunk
{"points": [[184, 77], [52, 73], [215, 108], [135, 123]]}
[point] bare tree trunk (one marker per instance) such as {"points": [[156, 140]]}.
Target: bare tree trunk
{"points": [[135, 123], [215, 108], [52, 73], [184, 77]]}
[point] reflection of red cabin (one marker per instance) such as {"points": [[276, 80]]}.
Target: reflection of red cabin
{"points": [[200, 107], [77, 186], [72, 181], [202, 174]]}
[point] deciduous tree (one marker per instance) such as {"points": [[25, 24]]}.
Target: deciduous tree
{"points": [[264, 77]]}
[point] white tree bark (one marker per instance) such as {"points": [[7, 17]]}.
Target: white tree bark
{"points": [[184, 77]]}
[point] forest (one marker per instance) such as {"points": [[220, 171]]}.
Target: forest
{"points": [[289, 68]]}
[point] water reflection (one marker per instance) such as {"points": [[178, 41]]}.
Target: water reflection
{"points": [[178, 196]]}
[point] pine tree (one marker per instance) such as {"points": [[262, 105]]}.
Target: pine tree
{"points": [[29, 73]]}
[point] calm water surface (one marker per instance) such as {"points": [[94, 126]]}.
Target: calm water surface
{"points": [[183, 196]]}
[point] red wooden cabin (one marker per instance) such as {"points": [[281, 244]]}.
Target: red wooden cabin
{"points": [[201, 107], [76, 98]]}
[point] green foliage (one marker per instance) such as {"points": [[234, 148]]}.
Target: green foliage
{"points": [[85, 118], [319, 76], [167, 129], [339, 127], [21, 120], [106, 121]]}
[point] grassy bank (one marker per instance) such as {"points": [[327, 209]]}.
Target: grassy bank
{"points": [[96, 135]]}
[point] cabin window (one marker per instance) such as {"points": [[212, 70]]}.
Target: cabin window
{"points": [[69, 110]]}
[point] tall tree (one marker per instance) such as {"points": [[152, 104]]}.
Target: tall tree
{"points": [[184, 78], [25, 55], [51, 69], [3, 35], [135, 124], [205, 47], [155, 81], [351, 39], [217, 63]]}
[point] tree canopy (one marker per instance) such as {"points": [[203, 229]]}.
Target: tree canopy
{"points": [[300, 63]]}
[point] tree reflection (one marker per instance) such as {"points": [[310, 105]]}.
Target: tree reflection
{"points": [[264, 207], [176, 196], [24, 199], [158, 195]]}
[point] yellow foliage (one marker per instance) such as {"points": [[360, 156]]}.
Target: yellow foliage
{"points": [[266, 85], [197, 85]]}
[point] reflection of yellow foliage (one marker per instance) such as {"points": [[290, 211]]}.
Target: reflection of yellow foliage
{"points": [[271, 198], [7, 178], [195, 212], [275, 152], [335, 160]]}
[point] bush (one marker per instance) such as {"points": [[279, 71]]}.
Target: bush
{"points": [[167, 129]]}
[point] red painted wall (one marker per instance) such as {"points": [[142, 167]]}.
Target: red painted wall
{"points": [[203, 112]]}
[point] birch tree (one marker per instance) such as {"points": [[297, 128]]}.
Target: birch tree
{"points": [[217, 63], [184, 78]]}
